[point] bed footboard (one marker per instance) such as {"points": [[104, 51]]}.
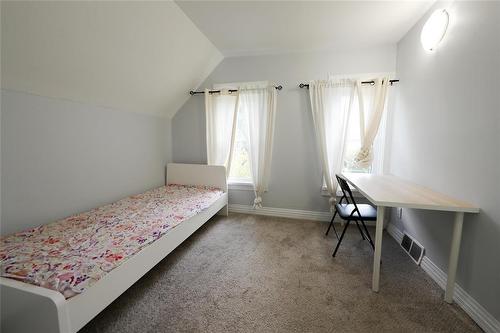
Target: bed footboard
{"points": [[28, 308]]}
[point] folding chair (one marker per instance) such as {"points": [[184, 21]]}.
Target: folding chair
{"points": [[352, 212]]}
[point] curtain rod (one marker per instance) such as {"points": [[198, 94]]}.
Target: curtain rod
{"points": [[230, 90], [305, 85]]}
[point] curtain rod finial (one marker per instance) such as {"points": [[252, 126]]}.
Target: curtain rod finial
{"points": [[279, 87], [191, 92]]}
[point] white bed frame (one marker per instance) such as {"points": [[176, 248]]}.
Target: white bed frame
{"points": [[29, 308]]}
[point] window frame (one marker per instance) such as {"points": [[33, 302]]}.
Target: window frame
{"points": [[240, 186]]}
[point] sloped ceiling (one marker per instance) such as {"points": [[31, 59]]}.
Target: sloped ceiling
{"points": [[134, 56], [267, 27]]}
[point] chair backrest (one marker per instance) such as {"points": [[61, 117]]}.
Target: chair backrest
{"points": [[346, 190]]}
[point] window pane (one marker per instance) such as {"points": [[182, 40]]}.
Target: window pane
{"points": [[240, 168], [353, 141], [240, 164]]}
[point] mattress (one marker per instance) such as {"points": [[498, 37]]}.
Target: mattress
{"points": [[72, 254]]}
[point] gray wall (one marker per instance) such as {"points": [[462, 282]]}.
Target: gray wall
{"points": [[296, 175], [446, 135], [59, 158]]}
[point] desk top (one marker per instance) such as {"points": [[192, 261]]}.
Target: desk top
{"points": [[390, 191]]}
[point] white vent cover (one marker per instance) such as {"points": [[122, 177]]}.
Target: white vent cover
{"points": [[413, 248]]}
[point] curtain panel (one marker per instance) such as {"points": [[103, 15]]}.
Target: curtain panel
{"points": [[257, 102], [331, 102], [334, 104], [221, 116], [370, 117]]}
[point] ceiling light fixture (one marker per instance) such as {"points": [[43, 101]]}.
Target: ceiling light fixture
{"points": [[434, 29]]}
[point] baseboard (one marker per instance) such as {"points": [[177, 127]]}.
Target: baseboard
{"points": [[395, 232], [479, 314], [288, 213], [282, 212]]}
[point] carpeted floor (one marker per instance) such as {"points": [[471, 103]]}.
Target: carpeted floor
{"points": [[247, 273]]}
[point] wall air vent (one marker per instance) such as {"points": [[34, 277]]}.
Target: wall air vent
{"points": [[414, 249]]}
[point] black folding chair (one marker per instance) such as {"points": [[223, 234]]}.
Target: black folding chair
{"points": [[352, 212], [331, 225]]}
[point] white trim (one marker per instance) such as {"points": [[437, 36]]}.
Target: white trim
{"points": [[288, 213], [395, 232], [479, 314], [240, 186], [355, 193], [282, 212]]}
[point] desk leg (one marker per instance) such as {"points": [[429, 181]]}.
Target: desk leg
{"points": [[378, 248], [453, 262]]}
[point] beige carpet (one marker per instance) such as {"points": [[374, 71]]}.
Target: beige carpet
{"points": [[245, 273]]}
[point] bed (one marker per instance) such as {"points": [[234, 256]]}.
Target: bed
{"points": [[49, 287]]}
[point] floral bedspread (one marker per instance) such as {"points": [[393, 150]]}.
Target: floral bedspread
{"points": [[71, 254]]}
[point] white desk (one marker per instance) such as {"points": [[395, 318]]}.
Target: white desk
{"points": [[390, 191]]}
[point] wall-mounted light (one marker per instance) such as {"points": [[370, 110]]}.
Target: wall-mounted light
{"points": [[434, 29]]}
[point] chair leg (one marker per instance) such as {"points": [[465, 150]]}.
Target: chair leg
{"points": [[360, 231], [368, 234], [331, 225], [341, 237]]}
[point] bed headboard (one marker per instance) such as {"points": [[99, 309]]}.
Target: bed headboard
{"points": [[197, 174]]}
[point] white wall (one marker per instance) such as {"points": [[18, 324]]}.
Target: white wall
{"points": [[59, 158], [296, 175], [139, 56], [446, 135]]}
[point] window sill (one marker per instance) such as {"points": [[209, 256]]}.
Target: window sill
{"points": [[240, 186], [355, 193]]}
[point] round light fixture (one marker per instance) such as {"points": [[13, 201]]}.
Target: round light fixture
{"points": [[434, 29]]}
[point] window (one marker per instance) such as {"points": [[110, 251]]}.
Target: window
{"points": [[240, 164], [353, 139], [352, 142], [239, 172]]}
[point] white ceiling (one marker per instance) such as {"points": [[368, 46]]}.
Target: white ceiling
{"points": [[144, 56], [137, 56], [264, 27]]}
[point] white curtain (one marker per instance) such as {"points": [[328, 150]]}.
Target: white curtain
{"points": [[371, 103], [221, 116], [258, 103], [330, 105]]}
